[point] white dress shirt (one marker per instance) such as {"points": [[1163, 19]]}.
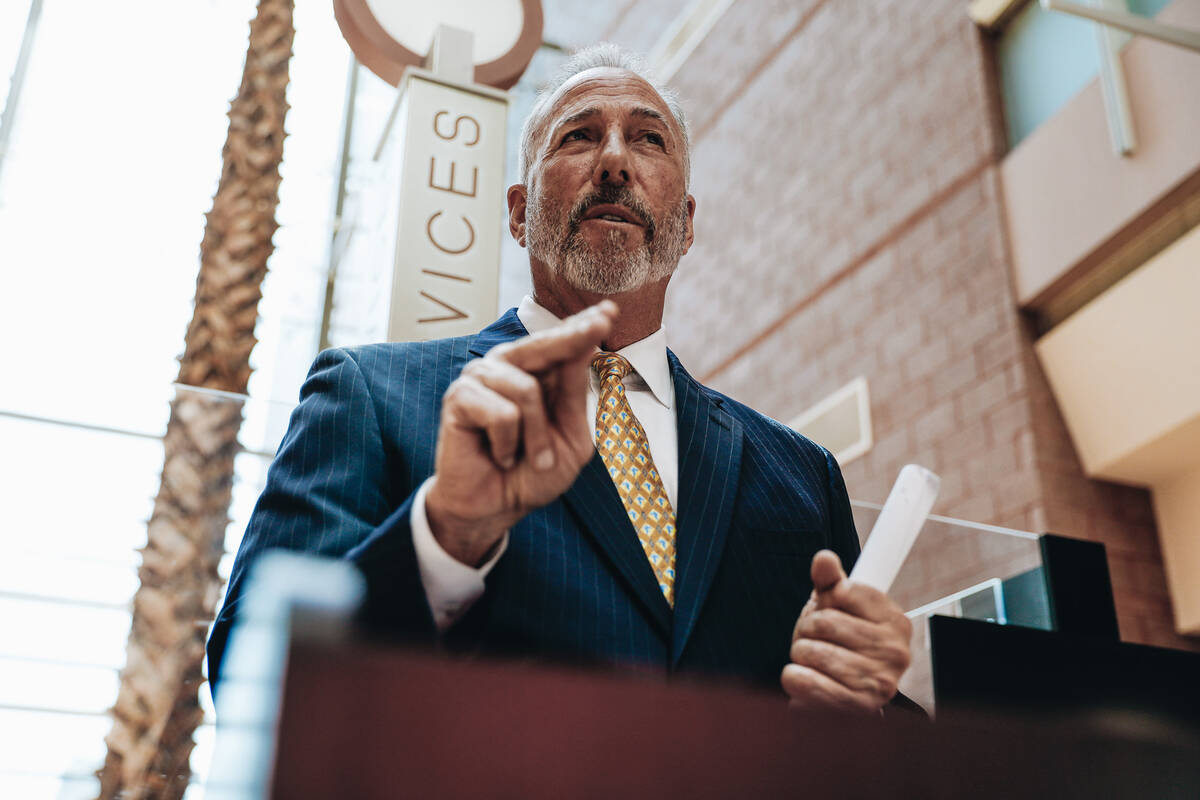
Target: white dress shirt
{"points": [[452, 586]]}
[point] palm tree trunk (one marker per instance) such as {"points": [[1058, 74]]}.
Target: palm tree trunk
{"points": [[157, 708]]}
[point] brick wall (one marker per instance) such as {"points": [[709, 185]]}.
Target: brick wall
{"points": [[849, 223]]}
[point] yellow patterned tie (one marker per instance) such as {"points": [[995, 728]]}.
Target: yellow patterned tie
{"points": [[626, 452]]}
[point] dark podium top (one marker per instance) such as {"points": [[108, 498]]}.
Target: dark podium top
{"points": [[365, 721]]}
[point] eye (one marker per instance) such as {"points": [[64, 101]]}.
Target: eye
{"points": [[655, 138], [578, 134]]}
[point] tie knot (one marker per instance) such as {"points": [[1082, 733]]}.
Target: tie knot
{"points": [[610, 365]]}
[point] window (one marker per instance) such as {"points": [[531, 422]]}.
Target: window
{"points": [[1044, 59], [112, 163]]}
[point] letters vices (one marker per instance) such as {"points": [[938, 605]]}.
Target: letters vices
{"points": [[468, 129]]}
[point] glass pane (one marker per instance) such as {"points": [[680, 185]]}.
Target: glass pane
{"points": [[57, 687], [962, 569], [66, 578], [1146, 8], [13, 16], [100, 278], [69, 571], [77, 786], [50, 745], [1046, 58], [73, 634], [110, 265], [364, 269]]}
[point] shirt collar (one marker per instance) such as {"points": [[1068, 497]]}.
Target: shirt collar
{"points": [[647, 356]]}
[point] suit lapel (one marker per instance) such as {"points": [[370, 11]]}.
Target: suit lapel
{"points": [[594, 501], [598, 509], [710, 450]]}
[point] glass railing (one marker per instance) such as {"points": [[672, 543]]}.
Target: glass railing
{"points": [[962, 569], [78, 493]]}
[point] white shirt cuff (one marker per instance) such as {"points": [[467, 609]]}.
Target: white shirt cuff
{"points": [[451, 587]]}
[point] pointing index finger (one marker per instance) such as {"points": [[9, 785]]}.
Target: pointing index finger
{"points": [[572, 339]]}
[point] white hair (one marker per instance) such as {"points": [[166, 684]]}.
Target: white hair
{"points": [[604, 54]]}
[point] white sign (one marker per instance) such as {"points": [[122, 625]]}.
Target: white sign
{"points": [[450, 207], [496, 24]]}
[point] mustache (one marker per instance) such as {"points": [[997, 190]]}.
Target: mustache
{"points": [[608, 194]]}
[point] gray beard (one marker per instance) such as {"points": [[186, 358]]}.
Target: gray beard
{"points": [[610, 268]]}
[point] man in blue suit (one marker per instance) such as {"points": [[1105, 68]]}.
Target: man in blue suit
{"points": [[558, 485]]}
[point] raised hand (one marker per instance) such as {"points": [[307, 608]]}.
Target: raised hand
{"points": [[514, 433], [850, 645]]}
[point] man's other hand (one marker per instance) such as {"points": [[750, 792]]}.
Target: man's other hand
{"points": [[514, 433], [850, 645]]}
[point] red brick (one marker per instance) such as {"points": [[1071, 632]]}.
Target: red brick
{"points": [[980, 397], [1006, 421], [976, 327], [1023, 448], [956, 375], [906, 405], [995, 353], [953, 487], [963, 443], [950, 311], [1136, 573], [987, 465], [902, 341], [934, 422], [893, 449], [1011, 490], [977, 508]]}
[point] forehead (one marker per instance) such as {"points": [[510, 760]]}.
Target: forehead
{"points": [[606, 88]]}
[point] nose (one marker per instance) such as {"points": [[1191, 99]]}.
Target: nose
{"points": [[613, 164]]}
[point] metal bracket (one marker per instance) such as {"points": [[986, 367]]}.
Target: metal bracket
{"points": [[1181, 37], [1112, 76], [452, 55], [1113, 88]]}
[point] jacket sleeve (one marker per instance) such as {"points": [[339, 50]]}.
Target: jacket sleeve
{"points": [[843, 536], [328, 493]]}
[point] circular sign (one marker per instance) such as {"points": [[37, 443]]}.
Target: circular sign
{"points": [[389, 35]]}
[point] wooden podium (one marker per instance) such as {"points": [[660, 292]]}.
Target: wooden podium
{"points": [[370, 722]]}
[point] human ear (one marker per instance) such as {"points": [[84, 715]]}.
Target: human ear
{"points": [[517, 195], [690, 234]]}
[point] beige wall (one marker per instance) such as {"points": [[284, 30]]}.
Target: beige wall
{"points": [[1177, 506], [1125, 370], [1066, 191]]}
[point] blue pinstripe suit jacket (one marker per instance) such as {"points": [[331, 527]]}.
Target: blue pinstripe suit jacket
{"points": [[755, 502]]}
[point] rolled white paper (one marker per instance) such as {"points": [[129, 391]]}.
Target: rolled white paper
{"points": [[897, 527]]}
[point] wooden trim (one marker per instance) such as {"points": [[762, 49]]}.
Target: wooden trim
{"points": [[505, 71], [992, 14], [1151, 232], [387, 58]]}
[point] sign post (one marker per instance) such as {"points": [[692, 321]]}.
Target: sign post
{"points": [[442, 157], [447, 145]]}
